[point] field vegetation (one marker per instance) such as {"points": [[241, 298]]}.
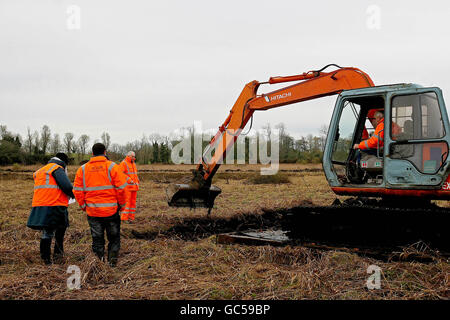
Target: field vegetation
{"points": [[163, 257]]}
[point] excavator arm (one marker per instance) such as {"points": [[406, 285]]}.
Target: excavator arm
{"points": [[313, 84]]}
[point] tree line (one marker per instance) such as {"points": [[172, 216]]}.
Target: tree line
{"points": [[39, 145]]}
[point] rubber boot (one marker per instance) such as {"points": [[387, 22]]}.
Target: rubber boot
{"points": [[112, 258], [100, 255], [58, 251], [45, 249]]}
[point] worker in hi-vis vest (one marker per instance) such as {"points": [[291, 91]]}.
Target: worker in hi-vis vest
{"points": [[99, 189], [128, 166], [52, 190], [376, 141], [373, 144]]}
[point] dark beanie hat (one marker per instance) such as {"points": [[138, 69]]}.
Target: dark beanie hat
{"points": [[63, 157]]}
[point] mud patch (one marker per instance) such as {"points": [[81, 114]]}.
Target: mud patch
{"points": [[383, 235], [192, 229]]}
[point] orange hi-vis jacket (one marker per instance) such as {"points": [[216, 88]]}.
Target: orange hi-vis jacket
{"points": [[377, 139], [129, 168], [396, 129], [99, 187], [46, 190]]}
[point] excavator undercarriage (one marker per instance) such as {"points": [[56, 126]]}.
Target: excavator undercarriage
{"points": [[368, 223]]}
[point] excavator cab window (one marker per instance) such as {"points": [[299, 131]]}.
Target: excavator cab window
{"points": [[419, 133], [344, 138], [342, 148]]}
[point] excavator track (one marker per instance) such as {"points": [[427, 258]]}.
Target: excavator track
{"points": [[368, 227]]}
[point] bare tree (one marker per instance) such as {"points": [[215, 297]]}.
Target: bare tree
{"points": [[301, 144], [37, 142], [75, 148], [82, 143], [116, 148], [283, 137], [268, 131], [45, 138], [155, 138], [68, 141], [106, 139], [3, 131], [310, 139], [55, 143], [29, 141], [281, 130], [323, 131]]}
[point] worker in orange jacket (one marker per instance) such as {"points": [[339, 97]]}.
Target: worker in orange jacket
{"points": [[377, 139], [52, 190], [99, 189], [370, 116], [128, 166], [371, 146], [396, 129]]}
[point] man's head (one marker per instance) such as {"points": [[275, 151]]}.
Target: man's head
{"points": [[63, 157], [131, 155], [372, 116], [98, 149], [377, 117]]}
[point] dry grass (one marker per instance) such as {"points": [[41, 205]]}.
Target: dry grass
{"points": [[279, 178], [159, 266]]}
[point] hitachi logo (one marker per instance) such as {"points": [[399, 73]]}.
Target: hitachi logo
{"points": [[278, 96]]}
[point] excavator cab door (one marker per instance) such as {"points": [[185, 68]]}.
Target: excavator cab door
{"points": [[348, 127], [417, 142]]}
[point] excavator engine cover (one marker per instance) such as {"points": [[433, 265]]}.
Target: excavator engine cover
{"points": [[185, 195]]}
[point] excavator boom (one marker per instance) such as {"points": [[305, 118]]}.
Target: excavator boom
{"points": [[198, 192]]}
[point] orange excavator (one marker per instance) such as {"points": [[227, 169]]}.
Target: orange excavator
{"points": [[412, 162], [391, 187]]}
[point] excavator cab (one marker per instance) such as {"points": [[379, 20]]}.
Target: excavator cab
{"points": [[413, 154]]}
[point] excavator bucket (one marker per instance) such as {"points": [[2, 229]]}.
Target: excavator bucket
{"points": [[187, 195]]}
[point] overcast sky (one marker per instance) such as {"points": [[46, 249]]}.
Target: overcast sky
{"points": [[139, 67]]}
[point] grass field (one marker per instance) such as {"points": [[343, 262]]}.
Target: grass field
{"points": [[155, 264]]}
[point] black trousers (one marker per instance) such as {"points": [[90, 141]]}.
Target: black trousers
{"points": [[46, 241], [112, 227]]}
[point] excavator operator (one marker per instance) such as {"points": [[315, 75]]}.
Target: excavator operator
{"points": [[372, 144]]}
